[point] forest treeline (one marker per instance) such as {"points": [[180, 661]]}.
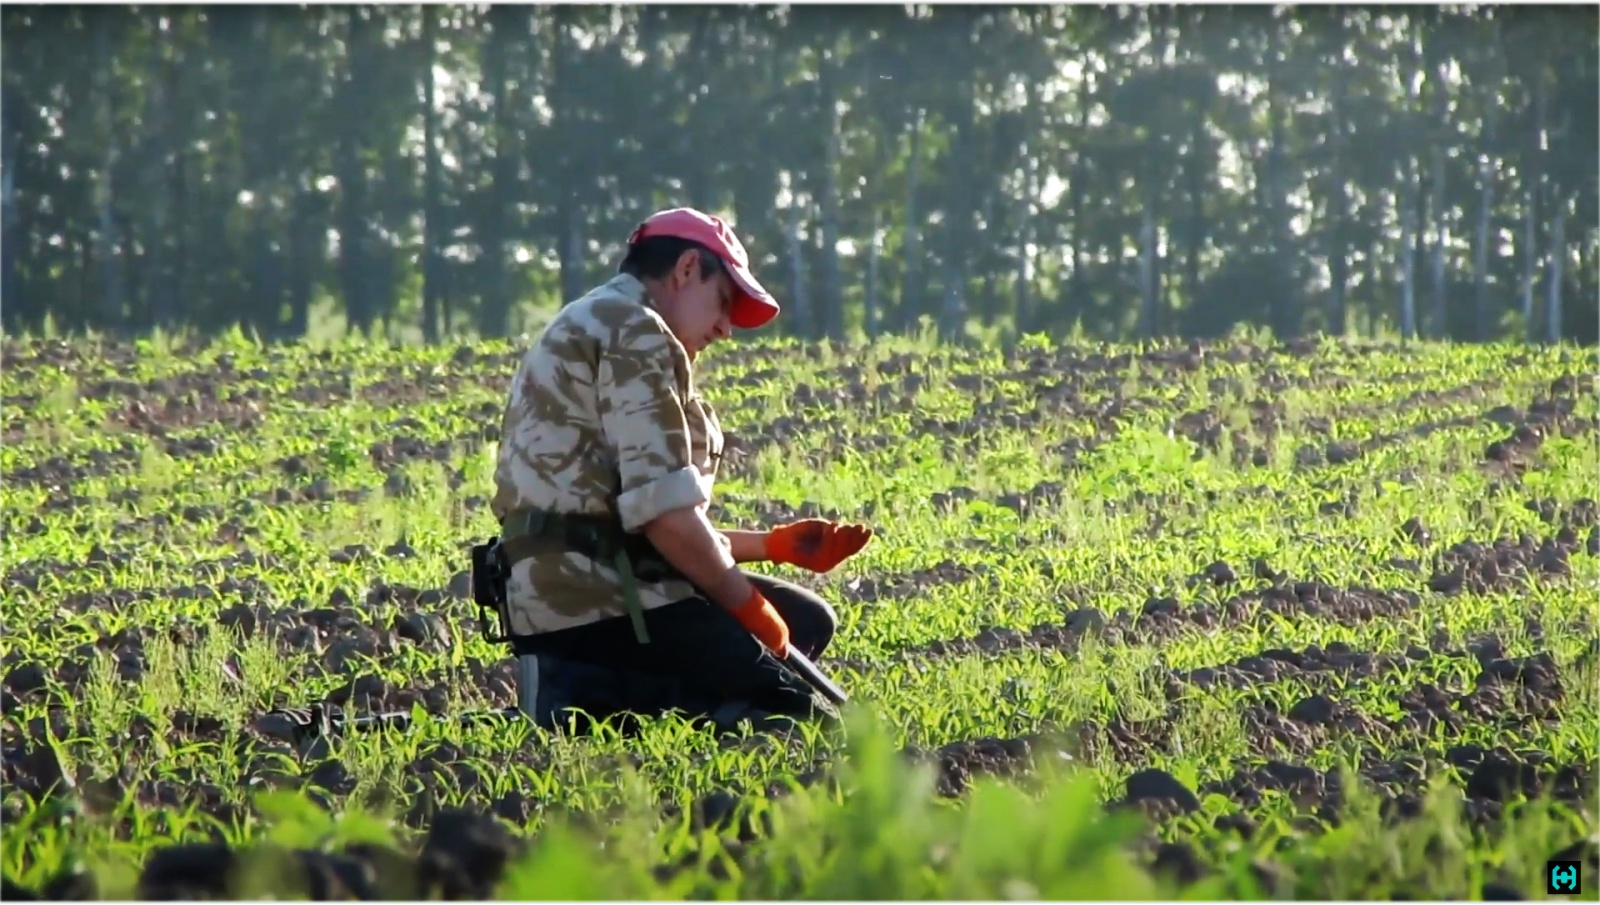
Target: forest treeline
{"points": [[1126, 171]]}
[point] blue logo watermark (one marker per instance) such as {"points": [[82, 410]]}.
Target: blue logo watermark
{"points": [[1563, 877]]}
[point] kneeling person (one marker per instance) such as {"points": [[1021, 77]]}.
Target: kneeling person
{"points": [[632, 601]]}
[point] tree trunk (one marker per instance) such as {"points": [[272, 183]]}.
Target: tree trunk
{"points": [[1077, 191], [1149, 307], [572, 251], [874, 252], [494, 318], [569, 248], [432, 206], [134, 269], [960, 205], [355, 257], [952, 308], [798, 289], [158, 313], [1530, 185], [697, 165], [1026, 317], [1027, 230], [303, 253], [911, 281], [1199, 156], [267, 282], [1482, 321], [1285, 304], [16, 310], [1440, 315], [105, 192], [182, 278], [988, 295], [1338, 253], [832, 281], [177, 185], [1408, 257], [1338, 196], [83, 311], [1407, 197], [1558, 255], [1370, 286]]}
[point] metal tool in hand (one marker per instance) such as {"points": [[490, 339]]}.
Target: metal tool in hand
{"points": [[809, 671]]}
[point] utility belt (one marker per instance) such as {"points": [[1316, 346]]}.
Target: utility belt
{"points": [[528, 532]]}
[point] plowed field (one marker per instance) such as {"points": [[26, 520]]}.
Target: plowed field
{"points": [[1212, 620]]}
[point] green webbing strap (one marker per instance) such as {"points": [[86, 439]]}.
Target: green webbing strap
{"points": [[526, 532], [630, 595]]}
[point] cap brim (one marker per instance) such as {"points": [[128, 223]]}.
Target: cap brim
{"points": [[755, 305]]}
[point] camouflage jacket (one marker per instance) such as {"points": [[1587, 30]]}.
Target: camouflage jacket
{"points": [[603, 418]]}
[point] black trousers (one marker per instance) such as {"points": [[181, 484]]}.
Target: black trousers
{"points": [[702, 656]]}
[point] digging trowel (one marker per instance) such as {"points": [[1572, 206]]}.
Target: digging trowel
{"points": [[802, 664]]}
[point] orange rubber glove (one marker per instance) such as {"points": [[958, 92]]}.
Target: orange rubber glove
{"points": [[760, 619], [816, 544]]}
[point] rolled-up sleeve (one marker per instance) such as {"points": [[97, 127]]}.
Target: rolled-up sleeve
{"points": [[642, 415]]}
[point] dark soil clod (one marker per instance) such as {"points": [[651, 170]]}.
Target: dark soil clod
{"points": [[464, 854], [1220, 573], [1316, 710], [1161, 789], [1500, 779], [194, 871], [1177, 861], [1417, 533]]}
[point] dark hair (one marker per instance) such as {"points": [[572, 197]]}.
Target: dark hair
{"points": [[655, 256]]}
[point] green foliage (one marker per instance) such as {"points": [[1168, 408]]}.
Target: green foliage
{"points": [[208, 168]]}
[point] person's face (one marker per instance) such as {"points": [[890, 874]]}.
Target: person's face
{"points": [[697, 309]]}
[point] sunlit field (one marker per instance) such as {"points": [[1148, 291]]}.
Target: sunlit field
{"points": [[1208, 620]]}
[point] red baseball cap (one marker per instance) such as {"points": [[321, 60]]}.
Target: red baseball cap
{"points": [[755, 305]]}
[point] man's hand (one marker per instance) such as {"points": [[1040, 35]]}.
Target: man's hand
{"points": [[816, 544]]}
